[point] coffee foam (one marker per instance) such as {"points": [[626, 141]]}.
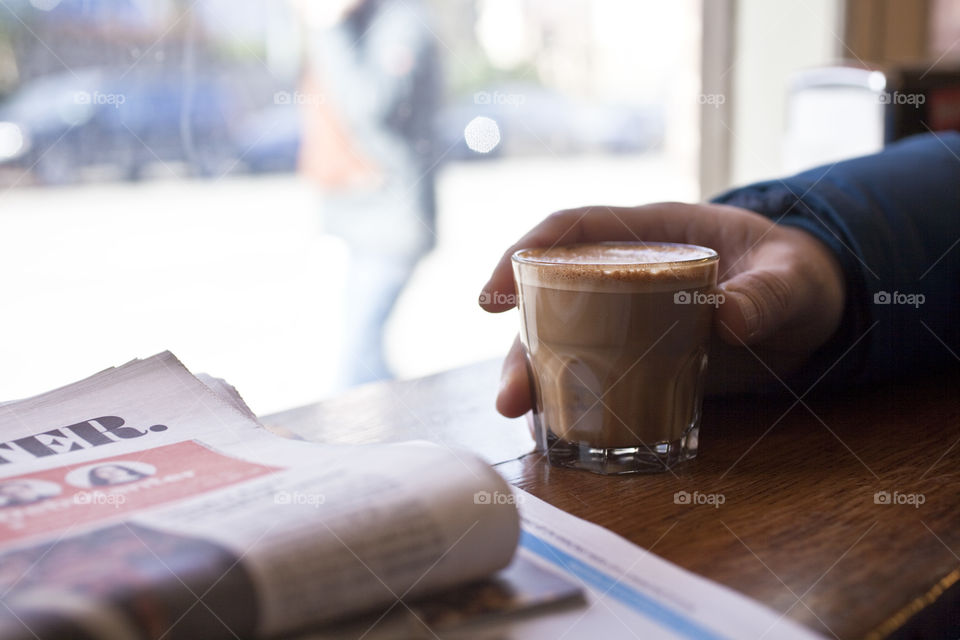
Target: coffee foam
{"points": [[618, 267]]}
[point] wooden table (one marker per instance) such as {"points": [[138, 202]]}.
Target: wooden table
{"points": [[800, 527]]}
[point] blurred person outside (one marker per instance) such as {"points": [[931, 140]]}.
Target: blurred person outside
{"points": [[369, 94]]}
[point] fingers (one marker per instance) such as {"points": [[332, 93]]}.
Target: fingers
{"points": [[665, 222], [789, 297], [759, 303], [513, 399], [561, 227]]}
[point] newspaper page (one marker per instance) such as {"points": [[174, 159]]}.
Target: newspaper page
{"points": [[630, 592], [143, 502]]}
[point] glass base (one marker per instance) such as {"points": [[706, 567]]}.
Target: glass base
{"points": [[648, 458]]}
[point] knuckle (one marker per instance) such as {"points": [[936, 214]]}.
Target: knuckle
{"points": [[563, 225], [561, 217], [771, 292]]}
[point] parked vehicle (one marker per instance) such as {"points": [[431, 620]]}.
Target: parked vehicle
{"points": [[59, 124], [532, 120]]}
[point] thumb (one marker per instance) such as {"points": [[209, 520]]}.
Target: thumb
{"points": [[513, 399], [757, 304]]}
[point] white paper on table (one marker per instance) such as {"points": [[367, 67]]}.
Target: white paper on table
{"points": [[631, 592]]}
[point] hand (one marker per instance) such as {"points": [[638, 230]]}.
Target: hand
{"points": [[784, 289]]}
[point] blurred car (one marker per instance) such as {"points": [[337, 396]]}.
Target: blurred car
{"points": [[268, 139], [534, 120], [531, 120], [59, 124]]}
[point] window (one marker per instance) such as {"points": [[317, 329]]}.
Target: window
{"points": [[151, 197]]}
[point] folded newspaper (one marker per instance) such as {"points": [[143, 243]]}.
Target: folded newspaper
{"points": [[145, 502]]}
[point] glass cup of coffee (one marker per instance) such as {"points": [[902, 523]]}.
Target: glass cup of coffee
{"points": [[616, 337]]}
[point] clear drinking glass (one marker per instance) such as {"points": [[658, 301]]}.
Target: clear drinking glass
{"points": [[616, 338]]}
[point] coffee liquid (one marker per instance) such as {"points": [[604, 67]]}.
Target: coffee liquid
{"points": [[616, 338]]}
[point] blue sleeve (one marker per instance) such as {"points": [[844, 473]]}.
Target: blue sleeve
{"points": [[893, 221]]}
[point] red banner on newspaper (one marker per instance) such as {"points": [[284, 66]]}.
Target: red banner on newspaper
{"points": [[57, 499]]}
